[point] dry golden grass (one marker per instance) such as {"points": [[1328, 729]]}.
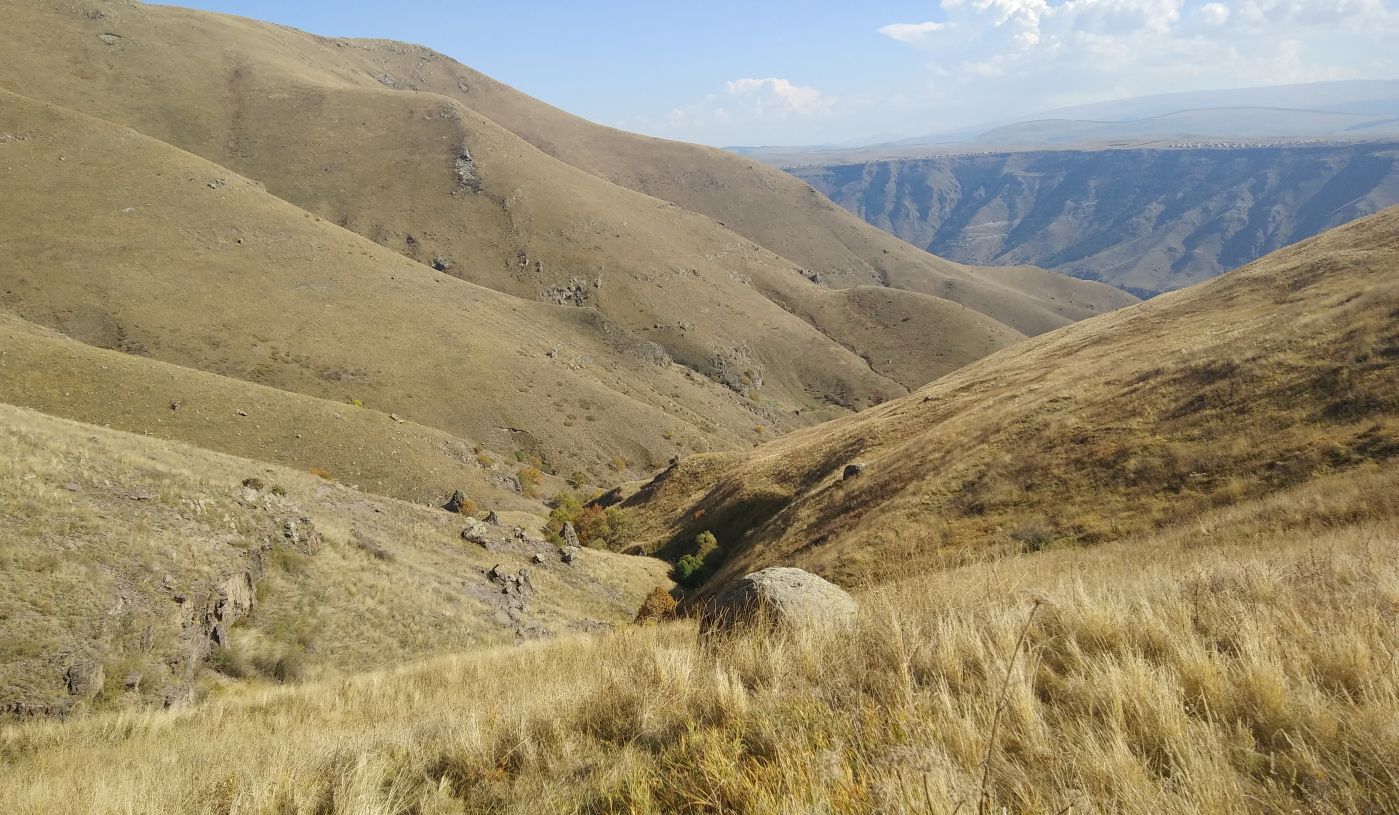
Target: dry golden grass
{"points": [[1268, 377], [45, 371], [1218, 667], [101, 531]]}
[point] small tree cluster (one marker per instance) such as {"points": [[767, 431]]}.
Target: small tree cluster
{"points": [[597, 528], [694, 568]]}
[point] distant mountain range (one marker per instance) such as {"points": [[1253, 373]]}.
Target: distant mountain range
{"points": [[1147, 220], [1149, 194], [1333, 111]]}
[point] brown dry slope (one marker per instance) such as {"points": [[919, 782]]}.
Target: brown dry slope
{"points": [[321, 122], [371, 449], [1278, 373], [761, 203], [322, 127], [123, 242]]}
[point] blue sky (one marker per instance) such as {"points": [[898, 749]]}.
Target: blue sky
{"points": [[786, 72]]}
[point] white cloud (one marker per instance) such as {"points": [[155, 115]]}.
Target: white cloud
{"points": [[776, 96], [1213, 14], [913, 33], [1029, 54]]}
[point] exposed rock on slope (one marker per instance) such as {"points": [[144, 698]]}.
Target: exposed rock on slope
{"points": [[1146, 220]]}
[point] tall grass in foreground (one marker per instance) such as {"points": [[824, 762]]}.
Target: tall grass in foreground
{"points": [[1226, 668]]}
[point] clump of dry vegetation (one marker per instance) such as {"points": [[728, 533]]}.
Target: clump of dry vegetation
{"points": [[1228, 665]]}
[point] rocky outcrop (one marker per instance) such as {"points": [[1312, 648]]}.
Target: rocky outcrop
{"points": [[232, 600], [85, 679], [779, 597]]}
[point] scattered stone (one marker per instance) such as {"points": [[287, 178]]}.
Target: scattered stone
{"points": [[658, 606], [301, 533], [218, 184], [493, 518], [241, 412], [73, 486], [396, 418], [175, 405], [468, 178], [454, 504], [576, 292], [538, 557], [852, 470], [109, 38], [514, 585], [779, 597], [570, 536], [85, 679], [475, 532], [506, 481], [568, 554], [441, 264]]}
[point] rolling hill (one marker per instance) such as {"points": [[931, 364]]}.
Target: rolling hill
{"points": [[1260, 381], [1145, 564], [271, 175]]}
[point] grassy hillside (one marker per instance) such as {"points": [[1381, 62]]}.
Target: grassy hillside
{"points": [[762, 204], [332, 128], [1267, 378], [1252, 672], [123, 242], [117, 547], [45, 371]]}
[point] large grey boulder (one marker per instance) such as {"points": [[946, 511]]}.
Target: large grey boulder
{"points": [[779, 597], [85, 679]]}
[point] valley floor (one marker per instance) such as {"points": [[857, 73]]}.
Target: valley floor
{"points": [[1245, 662]]}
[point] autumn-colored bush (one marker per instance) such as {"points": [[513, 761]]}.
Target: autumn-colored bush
{"points": [[596, 527], [658, 606]]}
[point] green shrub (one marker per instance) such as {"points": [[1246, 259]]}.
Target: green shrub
{"points": [[696, 567]]}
